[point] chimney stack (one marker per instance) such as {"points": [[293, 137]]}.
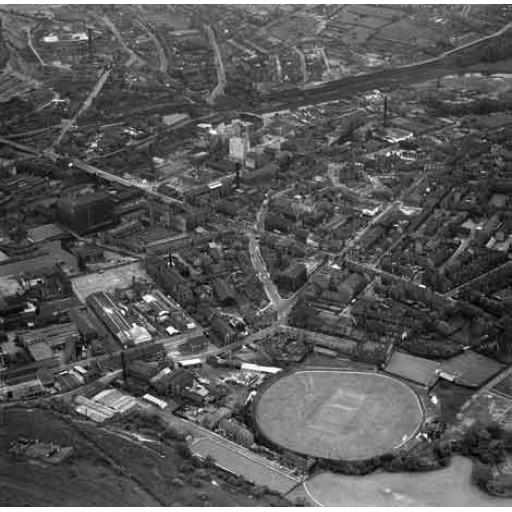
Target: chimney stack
{"points": [[89, 41]]}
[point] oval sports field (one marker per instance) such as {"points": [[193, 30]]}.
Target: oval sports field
{"points": [[338, 414]]}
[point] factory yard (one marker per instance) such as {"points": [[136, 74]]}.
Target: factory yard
{"points": [[336, 414], [120, 277], [449, 487]]}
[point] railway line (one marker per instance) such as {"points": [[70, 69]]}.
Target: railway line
{"points": [[386, 79], [383, 79]]}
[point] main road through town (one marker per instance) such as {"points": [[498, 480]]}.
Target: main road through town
{"points": [[282, 306]]}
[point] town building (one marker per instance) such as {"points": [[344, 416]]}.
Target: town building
{"points": [[86, 212], [293, 277], [222, 332]]}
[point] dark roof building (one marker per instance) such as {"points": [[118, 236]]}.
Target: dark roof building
{"points": [[351, 286], [168, 278], [224, 292], [142, 370], [222, 332], [87, 211], [293, 277], [273, 221], [261, 175]]}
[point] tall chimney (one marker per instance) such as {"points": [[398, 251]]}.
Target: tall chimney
{"points": [[89, 41], [237, 175], [385, 117]]}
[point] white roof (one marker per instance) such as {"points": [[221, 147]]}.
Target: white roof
{"points": [[258, 368], [51, 39], [191, 362], [80, 369]]}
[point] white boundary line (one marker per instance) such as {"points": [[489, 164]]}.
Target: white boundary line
{"points": [[310, 496]]}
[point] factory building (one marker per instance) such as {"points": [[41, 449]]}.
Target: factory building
{"points": [[114, 316], [86, 212], [222, 332], [168, 278]]}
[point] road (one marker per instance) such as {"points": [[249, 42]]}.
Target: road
{"points": [[395, 204], [94, 171], [133, 56], [378, 271], [85, 106], [38, 56], [455, 290], [132, 183], [252, 338], [464, 244], [303, 66], [163, 64], [325, 60], [221, 73], [31, 46], [167, 343], [462, 47], [282, 306]]}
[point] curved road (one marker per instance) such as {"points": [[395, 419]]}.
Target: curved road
{"points": [[163, 64], [282, 306]]}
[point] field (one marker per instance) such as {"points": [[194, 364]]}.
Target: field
{"points": [[378, 11], [293, 28], [415, 369], [472, 369], [406, 30], [241, 463], [448, 487], [338, 415], [72, 483], [108, 468]]}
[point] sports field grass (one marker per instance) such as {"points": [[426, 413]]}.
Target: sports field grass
{"points": [[338, 415], [447, 487]]}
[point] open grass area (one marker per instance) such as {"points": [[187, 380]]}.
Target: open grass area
{"points": [[84, 480], [241, 463], [109, 468], [338, 415], [471, 369], [415, 369], [446, 487]]}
